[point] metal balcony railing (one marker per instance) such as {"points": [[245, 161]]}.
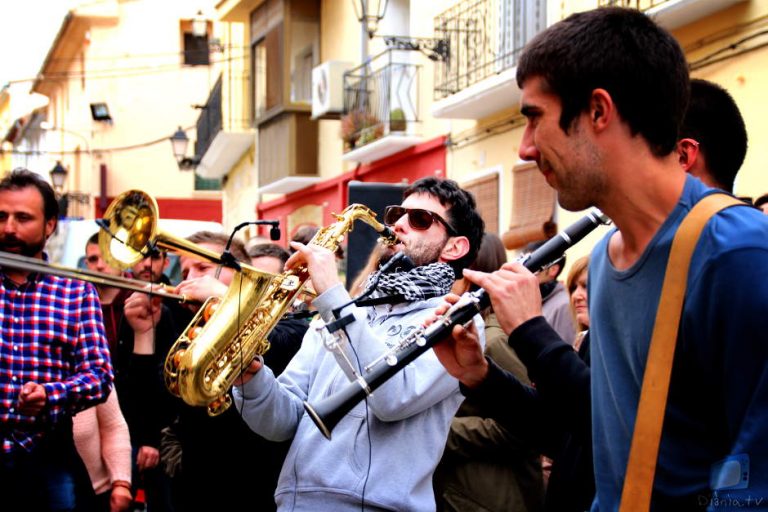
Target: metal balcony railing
{"points": [[210, 121], [485, 38], [380, 98], [640, 5]]}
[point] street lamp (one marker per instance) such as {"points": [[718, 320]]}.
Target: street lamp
{"points": [[370, 13], [199, 25], [58, 176], [179, 143], [59, 179]]}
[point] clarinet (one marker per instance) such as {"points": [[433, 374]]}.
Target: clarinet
{"points": [[329, 411]]}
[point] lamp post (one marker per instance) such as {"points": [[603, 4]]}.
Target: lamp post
{"points": [[59, 175], [179, 143], [370, 13]]}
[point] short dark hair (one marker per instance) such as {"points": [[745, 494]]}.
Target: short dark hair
{"points": [[714, 121], [461, 210], [306, 233], [560, 262], [269, 249], [22, 178], [622, 51], [760, 201], [93, 239], [237, 248]]}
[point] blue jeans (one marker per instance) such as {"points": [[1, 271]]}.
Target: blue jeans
{"points": [[50, 478]]}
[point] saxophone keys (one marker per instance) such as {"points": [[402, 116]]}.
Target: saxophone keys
{"points": [[177, 357], [210, 308]]}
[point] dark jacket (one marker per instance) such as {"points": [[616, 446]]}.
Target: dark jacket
{"points": [[555, 415]]}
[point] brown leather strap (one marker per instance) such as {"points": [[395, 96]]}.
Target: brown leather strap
{"points": [[644, 450]]}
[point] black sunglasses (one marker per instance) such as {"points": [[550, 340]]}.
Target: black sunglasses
{"points": [[418, 218]]}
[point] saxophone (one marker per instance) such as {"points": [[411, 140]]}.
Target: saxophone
{"points": [[227, 333]]}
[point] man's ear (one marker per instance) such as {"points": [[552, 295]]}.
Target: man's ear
{"points": [[455, 248], [50, 227], [601, 109], [688, 153]]}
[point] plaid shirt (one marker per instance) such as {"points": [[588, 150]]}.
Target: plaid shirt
{"points": [[51, 332]]}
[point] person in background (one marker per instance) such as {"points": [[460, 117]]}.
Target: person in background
{"points": [[762, 203], [101, 433], [603, 117], [554, 296], [268, 257], [149, 328], [384, 452], [112, 299], [54, 358], [222, 453], [712, 143], [103, 442], [576, 284], [484, 466]]}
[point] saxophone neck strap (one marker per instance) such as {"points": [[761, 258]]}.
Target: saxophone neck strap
{"points": [[644, 450]]}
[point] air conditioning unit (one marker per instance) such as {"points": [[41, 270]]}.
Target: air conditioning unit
{"points": [[328, 89]]}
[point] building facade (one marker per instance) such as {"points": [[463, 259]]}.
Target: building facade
{"points": [[433, 92], [121, 78]]}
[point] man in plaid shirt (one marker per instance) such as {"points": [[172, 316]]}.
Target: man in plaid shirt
{"points": [[54, 358]]}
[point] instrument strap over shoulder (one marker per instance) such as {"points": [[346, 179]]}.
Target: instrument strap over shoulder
{"points": [[644, 450]]}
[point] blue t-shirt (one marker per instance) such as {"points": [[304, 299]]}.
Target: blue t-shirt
{"points": [[714, 446]]}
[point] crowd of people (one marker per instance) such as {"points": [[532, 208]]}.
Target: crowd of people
{"points": [[531, 406]]}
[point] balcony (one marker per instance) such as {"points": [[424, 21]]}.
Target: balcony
{"points": [[381, 107], [287, 154], [485, 39], [672, 14], [220, 145]]}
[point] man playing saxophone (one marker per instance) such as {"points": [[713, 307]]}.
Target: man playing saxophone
{"points": [[383, 454]]}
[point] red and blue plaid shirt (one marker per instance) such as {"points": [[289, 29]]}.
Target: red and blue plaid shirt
{"points": [[52, 333]]}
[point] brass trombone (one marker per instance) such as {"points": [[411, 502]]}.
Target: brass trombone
{"points": [[10, 260]]}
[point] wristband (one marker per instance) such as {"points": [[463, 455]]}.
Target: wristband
{"points": [[122, 483]]}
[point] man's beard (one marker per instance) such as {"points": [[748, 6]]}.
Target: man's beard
{"points": [[419, 253], [9, 243]]}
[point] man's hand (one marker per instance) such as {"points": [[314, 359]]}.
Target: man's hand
{"points": [[147, 458], [199, 289], [514, 293], [321, 264], [250, 371], [32, 399], [142, 312], [120, 499], [461, 354]]}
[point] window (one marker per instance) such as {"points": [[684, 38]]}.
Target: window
{"points": [[196, 50], [533, 206], [486, 192], [285, 42], [259, 79], [207, 183], [519, 21]]}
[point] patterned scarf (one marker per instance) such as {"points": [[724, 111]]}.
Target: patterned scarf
{"points": [[417, 284]]}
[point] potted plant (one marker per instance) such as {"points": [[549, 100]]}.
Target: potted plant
{"points": [[358, 128], [397, 122]]}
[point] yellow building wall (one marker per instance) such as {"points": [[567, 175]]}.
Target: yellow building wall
{"points": [[6, 122], [744, 76], [239, 194], [339, 40], [134, 64]]}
